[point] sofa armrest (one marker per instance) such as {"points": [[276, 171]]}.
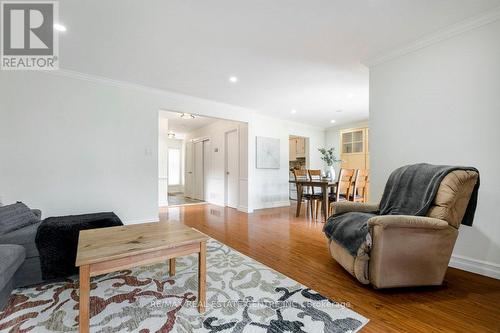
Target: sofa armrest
{"points": [[348, 206], [407, 221], [37, 212]]}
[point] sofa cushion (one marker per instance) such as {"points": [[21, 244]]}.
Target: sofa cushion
{"points": [[30, 273], [11, 257], [16, 216], [25, 237]]}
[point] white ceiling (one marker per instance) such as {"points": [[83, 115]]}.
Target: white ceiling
{"points": [[288, 54], [181, 126]]}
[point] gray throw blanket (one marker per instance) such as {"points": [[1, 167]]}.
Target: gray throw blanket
{"points": [[410, 190]]}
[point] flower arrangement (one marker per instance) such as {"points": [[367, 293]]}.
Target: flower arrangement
{"points": [[328, 156]]}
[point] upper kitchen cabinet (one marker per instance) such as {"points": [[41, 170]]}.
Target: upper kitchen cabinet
{"points": [[297, 148], [354, 148]]}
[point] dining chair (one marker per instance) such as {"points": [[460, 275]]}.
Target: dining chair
{"points": [[301, 174], [317, 194], [360, 188], [343, 188]]}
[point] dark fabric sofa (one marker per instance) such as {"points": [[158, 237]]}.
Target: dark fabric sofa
{"points": [[29, 272], [11, 258], [19, 259], [22, 264]]}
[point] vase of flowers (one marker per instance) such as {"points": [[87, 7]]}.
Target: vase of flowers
{"points": [[328, 156]]}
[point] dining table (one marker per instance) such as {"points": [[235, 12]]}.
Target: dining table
{"points": [[324, 184]]}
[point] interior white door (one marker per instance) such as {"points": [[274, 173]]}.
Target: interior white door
{"points": [[198, 171], [232, 169], [189, 171], [206, 169]]}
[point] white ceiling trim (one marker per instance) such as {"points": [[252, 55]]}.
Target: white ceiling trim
{"points": [[174, 95], [129, 85], [452, 31], [108, 81]]}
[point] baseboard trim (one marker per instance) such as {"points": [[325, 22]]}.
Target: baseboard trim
{"points": [[245, 209], [475, 266], [274, 204], [138, 221]]}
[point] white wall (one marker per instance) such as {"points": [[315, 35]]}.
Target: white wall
{"points": [[441, 104], [332, 138], [73, 143], [215, 181], [70, 146], [270, 187]]}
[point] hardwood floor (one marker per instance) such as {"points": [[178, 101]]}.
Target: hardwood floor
{"points": [[297, 248]]}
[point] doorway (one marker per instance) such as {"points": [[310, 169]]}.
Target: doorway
{"points": [[232, 168], [200, 169], [194, 190], [298, 159], [213, 160]]}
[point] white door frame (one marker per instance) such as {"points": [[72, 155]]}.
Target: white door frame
{"points": [[226, 166], [189, 169], [203, 141]]}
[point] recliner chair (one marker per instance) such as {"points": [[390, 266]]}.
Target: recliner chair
{"points": [[409, 250]]}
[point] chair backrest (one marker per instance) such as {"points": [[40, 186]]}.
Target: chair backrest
{"points": [[300, 174], [344, 184], [360, 188], [453, 197], [314, 175]]}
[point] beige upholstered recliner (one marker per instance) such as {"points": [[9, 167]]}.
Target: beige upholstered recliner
{"points": [[409, 250]]}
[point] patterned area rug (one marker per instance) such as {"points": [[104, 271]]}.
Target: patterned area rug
{"points": [[243, 295]]}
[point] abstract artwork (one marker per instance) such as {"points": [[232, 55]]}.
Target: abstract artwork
{"points": [[267, 153]]}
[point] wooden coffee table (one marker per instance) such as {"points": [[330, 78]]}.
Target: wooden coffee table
{"points": [[106, 250]]}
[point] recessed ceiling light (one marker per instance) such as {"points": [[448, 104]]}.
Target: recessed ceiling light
{"points": [[338, 111], [293, 111], [186, 116], [59, 27], [233, 79], [350, 96], [332, 121]]}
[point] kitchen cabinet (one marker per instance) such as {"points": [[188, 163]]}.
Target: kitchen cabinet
{"points": [[355, 149], [297, 148], [292, 149]]}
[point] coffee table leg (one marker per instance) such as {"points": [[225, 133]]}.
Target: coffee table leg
{"points": [[202, 277], [84, 305], [171, 267]]}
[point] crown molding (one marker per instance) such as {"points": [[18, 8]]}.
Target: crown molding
{"points": [[248, 113], [108, 81], [440, 35], [97, 79]]}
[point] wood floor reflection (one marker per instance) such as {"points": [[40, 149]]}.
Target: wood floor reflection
{"points": [[297, 248]]}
